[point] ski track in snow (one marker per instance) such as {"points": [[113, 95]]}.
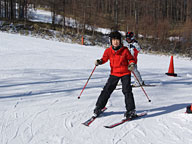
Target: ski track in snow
{"points": [[40, 81]]}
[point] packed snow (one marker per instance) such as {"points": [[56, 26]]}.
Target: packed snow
{"points": [[40, 81]]}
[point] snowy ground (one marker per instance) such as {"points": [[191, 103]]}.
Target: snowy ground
{"points": [[40, 81]]}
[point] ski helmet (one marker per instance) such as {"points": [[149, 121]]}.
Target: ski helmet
{"points": [[115, 35], [130, 35]]}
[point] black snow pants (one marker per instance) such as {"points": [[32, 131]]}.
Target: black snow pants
{"points": [[110, 87]]}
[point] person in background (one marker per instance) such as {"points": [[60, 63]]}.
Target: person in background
{"points": [[121, 64], [134, 49]]}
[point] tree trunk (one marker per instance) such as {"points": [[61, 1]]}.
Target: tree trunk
{"points": [[63, 25], [136, 18], [189, 11], [0, 10]]}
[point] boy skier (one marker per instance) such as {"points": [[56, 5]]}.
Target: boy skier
{"points": [[121, 63], [134, 49]]}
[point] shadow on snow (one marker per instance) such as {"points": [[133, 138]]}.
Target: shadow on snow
{"points": [[156, 111]]}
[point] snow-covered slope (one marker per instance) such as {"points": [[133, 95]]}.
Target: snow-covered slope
{"points": [[40, 81]]}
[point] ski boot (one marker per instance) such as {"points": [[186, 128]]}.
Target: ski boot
{"points": [[136, 84], [97, 111], [129, 114]]}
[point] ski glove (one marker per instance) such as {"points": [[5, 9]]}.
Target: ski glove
{"points": [[98, 62], [131, 67]]}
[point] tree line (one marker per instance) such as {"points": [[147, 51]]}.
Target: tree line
{"points": [[159, 19], [150, 17]]}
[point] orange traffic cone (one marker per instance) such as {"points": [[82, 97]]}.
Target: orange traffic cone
{"points": [[171, 68]]}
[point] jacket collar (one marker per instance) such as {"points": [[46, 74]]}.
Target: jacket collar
{"points": [[118, 51]]}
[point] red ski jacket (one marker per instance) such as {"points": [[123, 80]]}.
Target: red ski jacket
{"points": [[119, 60]]}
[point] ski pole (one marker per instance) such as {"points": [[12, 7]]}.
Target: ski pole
{"points": [[141, 87], [87, 82]]}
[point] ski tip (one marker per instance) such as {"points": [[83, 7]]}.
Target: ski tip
{"points": [[85, 124], [107, 126], [143, 113]]}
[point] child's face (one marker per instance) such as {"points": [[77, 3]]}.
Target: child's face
{"points": [[115, 42]]}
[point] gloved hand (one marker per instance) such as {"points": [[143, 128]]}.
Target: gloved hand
{"points": [[131, 66], [98, 62]]}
